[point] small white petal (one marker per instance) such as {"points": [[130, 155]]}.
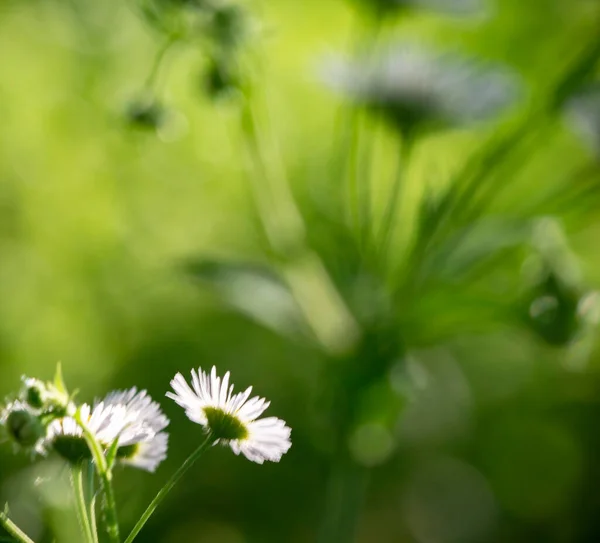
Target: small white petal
{"points": [[132, 418]]}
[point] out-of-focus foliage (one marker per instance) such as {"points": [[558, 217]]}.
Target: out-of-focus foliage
{"points": [[419, 305]]}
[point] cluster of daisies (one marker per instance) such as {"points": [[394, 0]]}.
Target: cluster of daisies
{"points": [[44, 418]]}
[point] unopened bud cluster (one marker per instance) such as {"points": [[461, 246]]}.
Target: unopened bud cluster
{"points": [[26, 418]]}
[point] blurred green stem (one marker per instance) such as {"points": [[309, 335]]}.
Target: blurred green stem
{"points": [[361, 153], [345, 496], [162, 494], [388, 223], [105, 475], [82, 510], [13, 529], [159, 58], [317, 296], [469, 181], [91, 499]]}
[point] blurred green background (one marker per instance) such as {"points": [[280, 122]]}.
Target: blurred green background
{"points": [[117, 253]]}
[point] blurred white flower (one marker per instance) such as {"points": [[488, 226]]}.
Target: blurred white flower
{"points": [[414, 86], [142, 443], [448, 7], [129, 416], [232, 418]]}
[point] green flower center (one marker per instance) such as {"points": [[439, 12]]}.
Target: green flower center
{"points": [[74, 449], [225, 426]]}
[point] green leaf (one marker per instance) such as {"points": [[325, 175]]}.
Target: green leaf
{"points": [[469, 249], [111, 455], [253, 290], [59, 382]]}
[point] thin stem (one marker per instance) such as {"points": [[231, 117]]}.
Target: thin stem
{"points": [[365, 187], [162, 494], [13, 529], [82, 512], [93, 519], [319, 300], [91, 498], [158, 61], [354, 214], [391, 210], [282, 221], [110, 506]]}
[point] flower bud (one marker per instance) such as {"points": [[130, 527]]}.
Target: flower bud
{"points": [[221, 79], [23, 426], [45, 398], [229, 25], [34, 393], [145, 114]]}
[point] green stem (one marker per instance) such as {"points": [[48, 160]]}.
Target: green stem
{"points": [[161, 54], [105, 475], [162, 494], [91, 499], [323, 307], [82, 511], [354, 215], [13, 529], [391, 210]]}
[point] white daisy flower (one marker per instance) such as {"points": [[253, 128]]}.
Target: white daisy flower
{"points": [[129, 416], [65, 436], [142, 443], [232, 418]]}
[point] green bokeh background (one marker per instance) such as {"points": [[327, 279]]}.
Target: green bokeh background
{"points": [[499, 442]]}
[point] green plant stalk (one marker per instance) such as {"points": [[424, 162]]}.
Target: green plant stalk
{"points": [[317, 296], [159, 59], [162, 493], [13, 529], [93, 519], [365, 143], [353, 175], [91, 499], [391, 211], [105, 475], [82, 510]]}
